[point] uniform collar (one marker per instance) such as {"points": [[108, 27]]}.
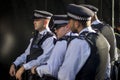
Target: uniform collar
{"points": [[89, 29], [68, 34], [96, 22], [43, 32], [71, 33]]}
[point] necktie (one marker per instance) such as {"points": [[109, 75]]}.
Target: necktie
{"points": [[38, 38]]}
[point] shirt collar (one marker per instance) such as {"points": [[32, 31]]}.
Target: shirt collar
{"points": [[96, 22], [89, 29], [43, 32], [71, 33]]}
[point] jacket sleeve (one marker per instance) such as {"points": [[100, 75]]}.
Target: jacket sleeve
{"points": [[22, 58], [47, 47]]}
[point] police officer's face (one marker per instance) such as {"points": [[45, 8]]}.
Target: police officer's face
{"points": [[39, 24], [72, 26], [60, 32]]}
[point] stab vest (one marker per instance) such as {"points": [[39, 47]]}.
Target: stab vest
{"points": [[95, 66], [99, 27], [36, 49], [68, 39], [104, 29]]}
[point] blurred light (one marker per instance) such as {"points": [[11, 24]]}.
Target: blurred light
{"points": [[8, 44]]}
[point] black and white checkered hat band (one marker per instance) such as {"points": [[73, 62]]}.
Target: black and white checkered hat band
{"points": [[60, 22], [78, 17], [38, 15]]}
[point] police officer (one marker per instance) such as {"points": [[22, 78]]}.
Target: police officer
{"points": [[106, 30], [40, 46], [117, 35], [63, 33], [108, 33], [82, 60]]}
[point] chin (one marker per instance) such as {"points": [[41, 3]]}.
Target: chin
{"points": [[36, 29]]}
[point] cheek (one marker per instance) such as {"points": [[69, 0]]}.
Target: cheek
{"points": [[60, 32], [56, 32], [72, 26]]}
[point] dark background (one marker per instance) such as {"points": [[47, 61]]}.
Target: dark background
{"points": [[16, 24]]}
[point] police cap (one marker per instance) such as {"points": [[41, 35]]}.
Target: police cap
{"points": [[91, 7], [58, 21], [41, 14], [78, 12]]}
